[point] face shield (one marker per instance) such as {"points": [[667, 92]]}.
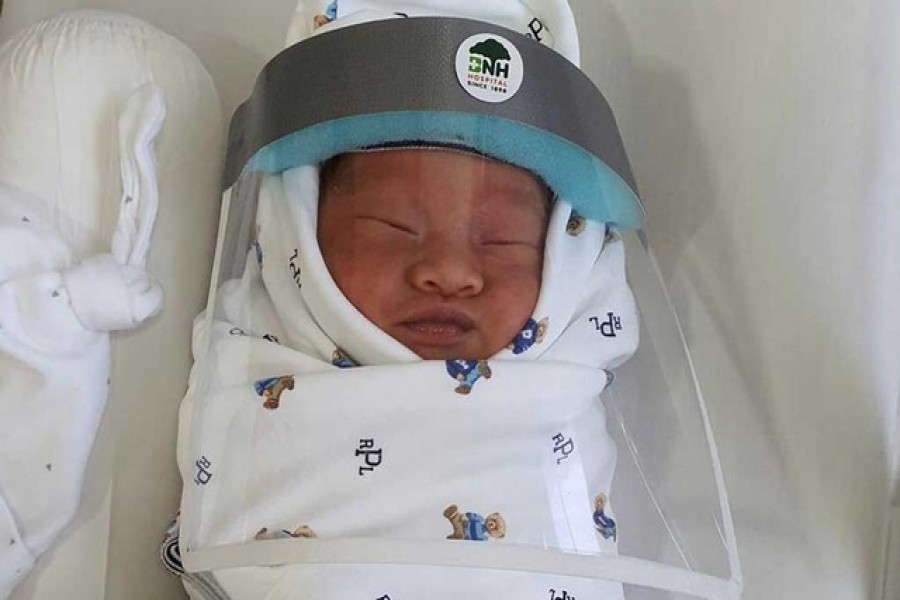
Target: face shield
{"points": [[426, 362]]}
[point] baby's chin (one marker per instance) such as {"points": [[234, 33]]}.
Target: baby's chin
{"points": [[451, 352], [442, 354], [440, 342]]}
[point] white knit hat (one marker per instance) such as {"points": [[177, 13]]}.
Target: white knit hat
{"points": [[549, 21]]}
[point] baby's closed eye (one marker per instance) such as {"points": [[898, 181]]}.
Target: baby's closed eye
{"points": [[511, 241], [387, 223], [505, 235]]}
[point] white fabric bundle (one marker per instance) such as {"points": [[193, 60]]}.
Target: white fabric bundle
{"points": [[55, 315], [292, 439]]}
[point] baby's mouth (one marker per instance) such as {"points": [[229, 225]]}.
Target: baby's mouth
{"points": [[436, 328]]}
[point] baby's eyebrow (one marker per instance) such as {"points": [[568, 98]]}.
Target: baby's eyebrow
{"points": [[544, 200], [526, 185]]}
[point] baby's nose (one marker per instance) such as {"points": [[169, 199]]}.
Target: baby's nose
{"points": [[447, 269]]}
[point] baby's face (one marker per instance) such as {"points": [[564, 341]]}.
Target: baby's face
{"points": [[441, 250]]}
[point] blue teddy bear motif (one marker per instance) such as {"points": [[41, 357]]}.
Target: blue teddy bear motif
{"points": [[611, 236], [329, 16], [257, 247], [340, 359], [473, 526], [467, 372], [533, 333], [271, 389], [259, 253], [576, 224], [605, 524], [304, 531]]}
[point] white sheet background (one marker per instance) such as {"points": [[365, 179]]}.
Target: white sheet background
{"points": [[763, 139]]}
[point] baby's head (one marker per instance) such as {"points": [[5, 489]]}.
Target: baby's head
{"points": [[441, 249]]}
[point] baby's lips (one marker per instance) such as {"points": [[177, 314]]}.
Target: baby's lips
{"points": [[440, 318], [434, 333]]}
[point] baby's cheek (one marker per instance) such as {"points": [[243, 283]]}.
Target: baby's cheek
{"points": [[512, 298], [367, 277], [516, 285]]}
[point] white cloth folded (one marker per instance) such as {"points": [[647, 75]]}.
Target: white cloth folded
{"points": [[55, 315]]}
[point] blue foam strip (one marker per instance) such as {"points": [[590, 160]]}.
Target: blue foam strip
{"points": [[577, 176]]}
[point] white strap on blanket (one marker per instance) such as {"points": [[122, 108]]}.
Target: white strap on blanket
{"points": [[113, 291], [139, 124]]}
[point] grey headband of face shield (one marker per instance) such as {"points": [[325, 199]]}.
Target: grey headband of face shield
{"points": [[395, 81]]}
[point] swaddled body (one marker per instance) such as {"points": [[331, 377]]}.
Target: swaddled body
{"points": [[320, 415], [407, 369]]}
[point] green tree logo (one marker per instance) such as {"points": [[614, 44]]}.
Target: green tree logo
{"points": [[489, 57]]}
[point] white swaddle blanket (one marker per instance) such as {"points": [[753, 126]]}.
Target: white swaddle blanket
{"points": [[56, 313], [316, 423]]}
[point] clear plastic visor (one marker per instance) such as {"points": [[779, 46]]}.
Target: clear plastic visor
{"points": [[423, 358]]}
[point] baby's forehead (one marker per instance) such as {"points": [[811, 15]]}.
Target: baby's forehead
{"points": [[427, 169]]}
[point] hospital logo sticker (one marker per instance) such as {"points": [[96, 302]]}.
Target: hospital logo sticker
{"points": [[489, 68]]}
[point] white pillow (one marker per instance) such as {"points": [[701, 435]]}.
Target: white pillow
{"points": [[62, 83]]}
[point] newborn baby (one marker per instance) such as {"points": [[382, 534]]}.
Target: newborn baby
{"points": [[415, 350], [397, 393]]}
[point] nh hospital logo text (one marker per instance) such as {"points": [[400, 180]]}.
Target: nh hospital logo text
{"points": [[489, 68], [489, 64]]}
